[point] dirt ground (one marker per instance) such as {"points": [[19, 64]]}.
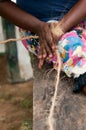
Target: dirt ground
{"points": [[15, 102]]}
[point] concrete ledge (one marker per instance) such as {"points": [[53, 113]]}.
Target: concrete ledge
{"points": [[70, 109]]}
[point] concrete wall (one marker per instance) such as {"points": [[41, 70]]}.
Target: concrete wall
{"points": [[2, 46], [25, 68], [24, 60]]}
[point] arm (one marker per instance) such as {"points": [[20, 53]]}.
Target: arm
{"points": [[74, 16], [17, 16], [14, 14], [71, 19]]}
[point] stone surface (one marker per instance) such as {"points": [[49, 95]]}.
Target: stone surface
{"points": [[70, 108]]}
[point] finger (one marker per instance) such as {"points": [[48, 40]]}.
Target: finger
{"points": [[41, 61], [40, 53], [49, 38], [39, 65], [53, 38], [44, 53], [55, 41], [48, 50], [40, 56], [52, 44]]}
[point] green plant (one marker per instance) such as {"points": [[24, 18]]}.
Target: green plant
{"points": [[26, 103], [26, 125]]}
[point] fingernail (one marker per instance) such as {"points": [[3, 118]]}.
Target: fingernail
{"points": [[40, 56], [44, 55], [53, 47], [50, 55]]}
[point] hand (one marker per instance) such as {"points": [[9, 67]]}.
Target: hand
{"points": [[47, 43], [57, 32]]}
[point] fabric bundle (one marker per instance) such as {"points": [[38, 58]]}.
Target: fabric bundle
{"points": [[72, 48]]}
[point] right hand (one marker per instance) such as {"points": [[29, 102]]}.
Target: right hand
{"points": [[47, 43]]}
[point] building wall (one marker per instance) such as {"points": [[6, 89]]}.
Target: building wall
{"points": [[24, 60], [26, 71], [2, 46], [25, 67]]}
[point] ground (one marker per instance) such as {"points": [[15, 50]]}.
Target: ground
{"points": [[15, 102]]}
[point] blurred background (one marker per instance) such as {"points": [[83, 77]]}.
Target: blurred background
{"points": [[16, 81]]}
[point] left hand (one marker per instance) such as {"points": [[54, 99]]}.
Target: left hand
{"points": [[47, 43]]}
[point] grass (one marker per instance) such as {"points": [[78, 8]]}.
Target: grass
{"points": [[26, 125], [25, 102]]}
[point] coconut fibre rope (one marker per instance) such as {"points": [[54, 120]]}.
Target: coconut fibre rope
{"points": [[58, 69], [18, 39], [51, 114]]}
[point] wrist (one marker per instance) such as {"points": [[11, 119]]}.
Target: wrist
{"points": [[64, 25], [39, 27]]}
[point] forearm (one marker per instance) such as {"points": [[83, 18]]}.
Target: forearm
{"points": [[14, 14], [74, 16]]}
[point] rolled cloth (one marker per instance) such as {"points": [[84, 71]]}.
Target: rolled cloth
{"points": [[72, 48]]}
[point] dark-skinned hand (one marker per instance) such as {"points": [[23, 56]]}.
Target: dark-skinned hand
{"points": [[47, 43]]}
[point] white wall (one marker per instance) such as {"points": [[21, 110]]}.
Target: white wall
{"points": [[24, 60], [23, 56], [2, 46], [26, 71]]}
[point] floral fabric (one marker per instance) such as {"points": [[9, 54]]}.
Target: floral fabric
{"points": [[72, 48]]}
